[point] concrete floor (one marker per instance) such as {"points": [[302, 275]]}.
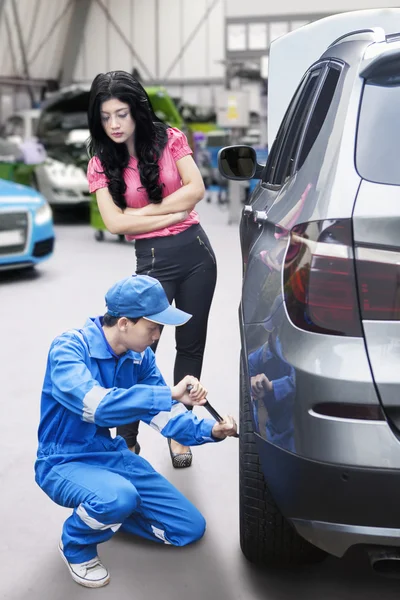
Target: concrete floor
{"points": [[61, 294]]}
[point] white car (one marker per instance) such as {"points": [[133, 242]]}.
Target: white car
{"points": [[63, 130], [57, 177]]}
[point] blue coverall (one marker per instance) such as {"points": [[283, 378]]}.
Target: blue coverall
{"points": [[88, 389]]}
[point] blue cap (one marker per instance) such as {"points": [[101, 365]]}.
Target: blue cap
{"points": [[142, 296]]}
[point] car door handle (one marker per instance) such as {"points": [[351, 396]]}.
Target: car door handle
{"points": [[260, 216], [247, 210]]}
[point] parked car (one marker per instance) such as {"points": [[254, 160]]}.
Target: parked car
{"points": [[60, 175], [26, 227], [63, 131], [320, 315]]}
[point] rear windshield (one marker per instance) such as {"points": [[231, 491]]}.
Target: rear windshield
{"points": [[378, 138]]}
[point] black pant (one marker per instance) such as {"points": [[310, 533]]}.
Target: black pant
{"points": [[185, 265]]}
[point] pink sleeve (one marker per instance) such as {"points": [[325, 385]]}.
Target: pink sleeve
{"points": [[95, 175], [178, 144]]}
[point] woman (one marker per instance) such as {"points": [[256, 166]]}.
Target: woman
{"points": [[147, 185]]}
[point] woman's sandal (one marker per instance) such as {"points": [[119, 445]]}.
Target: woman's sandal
{"points": [[180, 461]]}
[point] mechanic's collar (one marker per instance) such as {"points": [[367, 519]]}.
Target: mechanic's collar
{"points": [[99, 347]]}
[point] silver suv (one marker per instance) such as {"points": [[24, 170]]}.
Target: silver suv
{"points": [[320, 315]]}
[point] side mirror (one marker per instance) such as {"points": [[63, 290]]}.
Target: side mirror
{"points": [[239, 163]]}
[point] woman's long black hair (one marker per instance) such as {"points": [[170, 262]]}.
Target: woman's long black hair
{"points": [[150, 135]]}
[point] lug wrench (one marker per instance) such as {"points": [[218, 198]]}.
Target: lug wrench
{"points": [[212, 411]]}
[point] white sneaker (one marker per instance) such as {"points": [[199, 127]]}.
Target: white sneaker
{"points": [[91, 573]]}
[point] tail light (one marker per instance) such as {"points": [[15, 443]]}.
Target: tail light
{"points": [[319, 279], [378, 276]]}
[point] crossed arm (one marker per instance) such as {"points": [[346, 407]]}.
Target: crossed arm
{"points": [[173, 209]]}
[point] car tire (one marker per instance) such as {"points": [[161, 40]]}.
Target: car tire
{"points": [[266, 537], [99, 235]]}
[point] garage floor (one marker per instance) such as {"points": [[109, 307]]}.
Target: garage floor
{"points": [[60, 295]]}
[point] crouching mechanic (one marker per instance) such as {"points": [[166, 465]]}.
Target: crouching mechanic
{"points": [[102, 376]]}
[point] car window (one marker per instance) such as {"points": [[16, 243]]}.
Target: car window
{"points": [[377, 154], [268, 174], [319, 113], [293, 135], [285, 146]]}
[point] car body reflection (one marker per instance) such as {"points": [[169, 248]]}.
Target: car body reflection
{"points": [[273, 384]]}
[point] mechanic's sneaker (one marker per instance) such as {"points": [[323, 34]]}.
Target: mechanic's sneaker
{"points": [[89, 574]]}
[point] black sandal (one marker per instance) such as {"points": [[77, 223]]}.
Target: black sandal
{"points": [[180, 461]]}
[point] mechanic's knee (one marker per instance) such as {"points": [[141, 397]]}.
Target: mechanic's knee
{"points": [[194, 529], [118, 506], [199, 527]]}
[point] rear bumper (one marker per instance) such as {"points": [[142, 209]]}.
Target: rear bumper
{"points": [[336, 539], [333, 506]]}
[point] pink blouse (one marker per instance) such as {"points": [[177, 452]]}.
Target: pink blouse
{"points": [[177, 147]]}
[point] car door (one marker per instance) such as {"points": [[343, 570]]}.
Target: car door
{"points": [[286, 196], [279, 167], [256, 226]]}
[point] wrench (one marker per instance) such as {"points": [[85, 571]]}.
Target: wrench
{"points": [[212, 411]]}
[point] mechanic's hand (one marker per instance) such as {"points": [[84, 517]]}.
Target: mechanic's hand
{"points": [[260, 384], [197, 395], [226, 428]]}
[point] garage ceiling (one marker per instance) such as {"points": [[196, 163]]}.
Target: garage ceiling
{"points": [[35, 36]]}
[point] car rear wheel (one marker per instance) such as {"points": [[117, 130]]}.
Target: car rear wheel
{"points": [[266, 537]]}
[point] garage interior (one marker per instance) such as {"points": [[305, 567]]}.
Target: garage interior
{"points": [[205, 67]]}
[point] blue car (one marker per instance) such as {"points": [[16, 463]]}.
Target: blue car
{"points": [[26, 227]]}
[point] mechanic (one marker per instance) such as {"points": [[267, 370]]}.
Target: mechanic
{"points": [[99, 377]]}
